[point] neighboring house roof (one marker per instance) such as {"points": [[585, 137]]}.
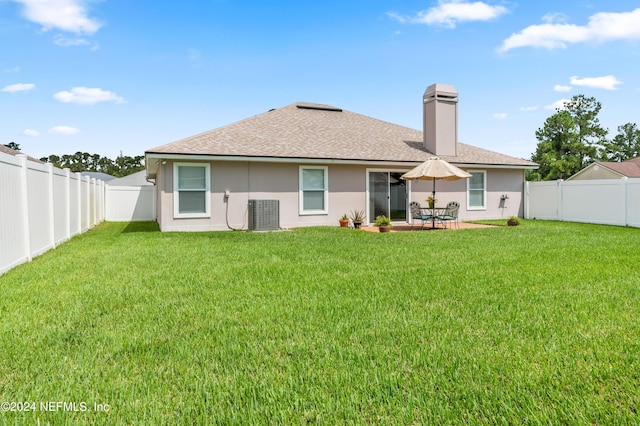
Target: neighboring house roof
{"points": [[629, 168], [135, 179], [99, 175], [13, 152], [314, 131]]}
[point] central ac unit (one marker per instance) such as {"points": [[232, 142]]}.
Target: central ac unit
{"points": [[264, 215]]}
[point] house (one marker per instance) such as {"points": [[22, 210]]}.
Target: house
{"points": [[5, 149], [312, 163], [609, 170]]}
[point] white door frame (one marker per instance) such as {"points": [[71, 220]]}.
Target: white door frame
{"points": [[367, 195]]}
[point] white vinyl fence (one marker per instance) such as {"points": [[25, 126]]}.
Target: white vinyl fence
{"points": [[605, 201], [130, 203], [41, 207]]}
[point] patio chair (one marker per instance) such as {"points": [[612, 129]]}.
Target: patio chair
{"points": [[449, 214], [418, 214]]}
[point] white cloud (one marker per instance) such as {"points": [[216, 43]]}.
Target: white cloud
{"points": [[65, 15], [558, 105], [62, 41], [607, 82], [19, 87], [529, 108], [87, 96], [602, 27], [14, 69], [398, 17], [500, 115], [555, 18], [450, 12], [561, 88], [64, 130], [32, 133]]}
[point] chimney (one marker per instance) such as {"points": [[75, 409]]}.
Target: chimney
{"points": [[440, 119]]}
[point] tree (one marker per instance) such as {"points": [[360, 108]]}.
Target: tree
{"points": [[85, 162], [13, 145], [569, 139], [624, 146]]}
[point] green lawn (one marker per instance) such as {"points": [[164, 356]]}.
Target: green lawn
{"points": [[535, 324]]}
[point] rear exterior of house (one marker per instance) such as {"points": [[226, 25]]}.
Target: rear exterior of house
{"points": [[308, 164]]}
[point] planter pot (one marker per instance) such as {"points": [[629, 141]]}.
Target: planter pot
{"points": [[384, 228], [344, 223], [357, 225], [511, 222]]}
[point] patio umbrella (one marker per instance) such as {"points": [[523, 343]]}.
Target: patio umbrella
{"points": [[435, 168]]}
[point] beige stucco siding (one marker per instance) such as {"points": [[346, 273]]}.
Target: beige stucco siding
{"points": [[347, 191], [246, 181], [500, 182]]}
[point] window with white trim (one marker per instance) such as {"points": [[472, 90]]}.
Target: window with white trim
{"points": [[191, 190], [313, 190], [477, 190]]}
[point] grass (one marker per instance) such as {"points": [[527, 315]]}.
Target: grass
{"points": [[532, 324]]}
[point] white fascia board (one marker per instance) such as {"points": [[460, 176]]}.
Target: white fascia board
{"points": [[493, 166], [297, 160], [153, 159]]}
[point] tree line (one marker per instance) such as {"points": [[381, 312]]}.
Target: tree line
{"points": [[122, 166], [573, 138]]}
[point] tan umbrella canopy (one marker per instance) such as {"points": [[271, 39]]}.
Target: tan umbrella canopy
{"points": [[435, 168]]}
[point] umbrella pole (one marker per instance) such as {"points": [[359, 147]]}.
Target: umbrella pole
{"points": [[433, 212]]}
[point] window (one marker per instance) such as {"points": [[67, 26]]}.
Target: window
{"points": [[191, 190], [476, 190], [313, 190]]}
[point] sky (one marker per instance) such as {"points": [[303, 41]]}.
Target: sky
{"points": [[123, 76]]}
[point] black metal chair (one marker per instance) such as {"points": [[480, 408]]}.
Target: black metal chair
{"points": [[450, 214], [418, 214]]}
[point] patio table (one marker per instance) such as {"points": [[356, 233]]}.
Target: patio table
{"points": [[434, 211]]}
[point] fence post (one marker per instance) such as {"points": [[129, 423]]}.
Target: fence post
{"points": [[526, 200], [103, 200], [88, 203], [625, 200], [560, 183], [67, 204], [79, 206], [52, 235], [24, 190]]}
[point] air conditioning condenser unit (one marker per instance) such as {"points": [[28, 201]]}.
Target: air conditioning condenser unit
{"points": [[264, 215]]}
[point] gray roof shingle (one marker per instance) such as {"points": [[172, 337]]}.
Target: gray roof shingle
{"points": [[315, 131]]}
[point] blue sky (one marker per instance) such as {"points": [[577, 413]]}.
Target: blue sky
{"points": [[115, 76]]}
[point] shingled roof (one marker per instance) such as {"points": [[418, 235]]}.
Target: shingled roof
{"points": [[315, 131], [7, 150], [628, 168]]}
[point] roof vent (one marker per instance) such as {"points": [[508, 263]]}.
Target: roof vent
{"points": [[320, 108]]}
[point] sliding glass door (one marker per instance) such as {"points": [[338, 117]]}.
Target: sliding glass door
{"points": [[387, 196]]}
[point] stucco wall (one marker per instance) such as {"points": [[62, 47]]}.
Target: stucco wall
{"points": [[347, 191], [499, 182]]}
